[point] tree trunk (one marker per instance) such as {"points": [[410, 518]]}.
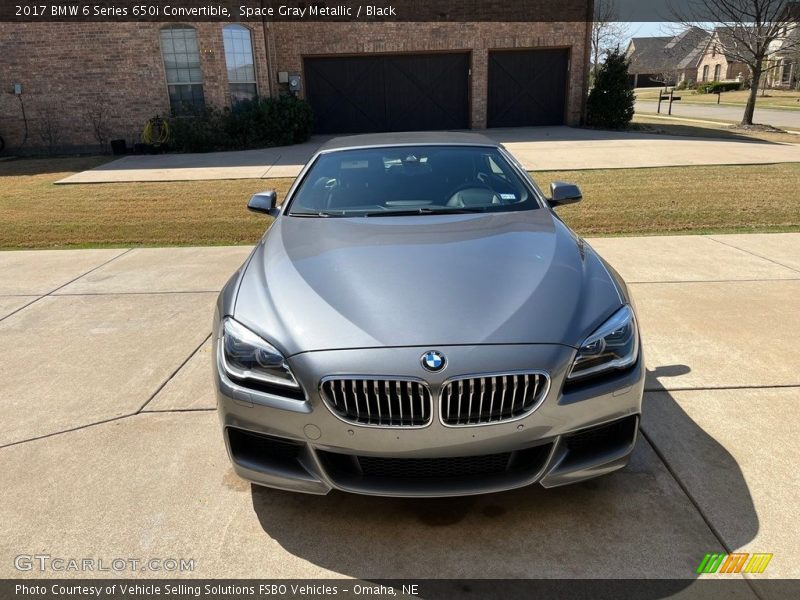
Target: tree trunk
{"points": [[750, 107], [595, 66]]}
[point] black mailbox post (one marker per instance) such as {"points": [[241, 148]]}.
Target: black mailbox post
{"points": [[664, 95]]}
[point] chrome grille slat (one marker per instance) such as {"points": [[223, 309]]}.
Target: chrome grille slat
{"points": [[344, 395], [492, 398], [378, 402]]}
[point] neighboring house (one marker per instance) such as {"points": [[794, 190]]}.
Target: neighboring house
{"points": [[718, 61], [658, 61], [358, 77], [783, 69]]}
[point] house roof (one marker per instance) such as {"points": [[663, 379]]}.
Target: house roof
{"points": [[726, 39], [647, 54], [664, 54]]}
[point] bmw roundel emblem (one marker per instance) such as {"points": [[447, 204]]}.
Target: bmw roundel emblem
{"points": [[433, 361]]}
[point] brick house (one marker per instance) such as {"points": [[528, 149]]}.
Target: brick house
{"points": [[357, 76], [783, 67], [718, 62], [659, 61]]}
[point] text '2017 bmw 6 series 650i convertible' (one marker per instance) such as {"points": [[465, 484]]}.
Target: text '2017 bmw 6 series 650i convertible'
{"points": [[417, 321]]}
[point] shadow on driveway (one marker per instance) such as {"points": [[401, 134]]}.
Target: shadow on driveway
{"points": [[634, 523]]}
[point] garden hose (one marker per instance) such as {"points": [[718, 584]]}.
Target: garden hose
{"points": [[156, 132]]}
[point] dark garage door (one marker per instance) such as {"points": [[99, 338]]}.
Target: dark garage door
{"points": [[527, 87], [388, 93]]}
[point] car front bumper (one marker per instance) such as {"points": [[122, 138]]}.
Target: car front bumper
{"points": [[574, 434]]}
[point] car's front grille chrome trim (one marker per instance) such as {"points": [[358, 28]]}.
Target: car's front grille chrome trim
{"points": [[498, 398], [379, 402]]}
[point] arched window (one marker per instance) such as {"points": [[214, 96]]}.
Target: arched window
{"points": [[239, 60], [717, 72], [182, 64]]}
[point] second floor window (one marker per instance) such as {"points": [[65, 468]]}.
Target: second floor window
{"points": [[182, 65], [239, 60]]}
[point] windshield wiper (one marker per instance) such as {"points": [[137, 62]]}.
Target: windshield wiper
{"points": [[316, 215], [424, 211]]}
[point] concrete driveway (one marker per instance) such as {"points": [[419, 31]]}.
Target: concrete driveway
{"points": [[537, 148], [110, 445], [786, 119]]}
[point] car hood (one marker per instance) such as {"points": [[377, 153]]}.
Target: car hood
{"points": [[498, 278]]}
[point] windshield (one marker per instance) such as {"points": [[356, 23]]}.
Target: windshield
{"points": [[411, 180]]}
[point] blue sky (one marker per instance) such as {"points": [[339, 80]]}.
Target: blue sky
{"points": [[650, 29]]}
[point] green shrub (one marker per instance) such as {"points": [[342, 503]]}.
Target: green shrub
{"points": [[712, 87], [286, 120], [703, 87], [198, 132], [610, 103], [256, 123]]}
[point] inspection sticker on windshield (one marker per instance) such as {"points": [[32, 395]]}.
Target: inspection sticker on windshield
{"points": [[508, 196]]}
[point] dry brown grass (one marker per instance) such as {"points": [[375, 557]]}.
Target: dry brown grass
{"points": [[719, 199], [35, 213], [689, 128], [780, 99]]}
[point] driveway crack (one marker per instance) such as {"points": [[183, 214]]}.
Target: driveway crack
{"points": [[775, 262], [51, 292], [175, 372]]}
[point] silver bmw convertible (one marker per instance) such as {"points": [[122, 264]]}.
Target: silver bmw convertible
{"points": [[418, 321]]}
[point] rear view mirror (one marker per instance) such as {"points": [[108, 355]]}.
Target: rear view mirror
{"points": [[264, 202], [564, 193]]}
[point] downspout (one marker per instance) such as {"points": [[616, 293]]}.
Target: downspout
{"points": [[587, 54], [267, 51]]}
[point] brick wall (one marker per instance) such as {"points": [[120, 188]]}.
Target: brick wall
{"points": [[728, 70], [65, 68]]}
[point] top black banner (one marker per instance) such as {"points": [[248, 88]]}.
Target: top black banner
{"points": [[453, 11]]}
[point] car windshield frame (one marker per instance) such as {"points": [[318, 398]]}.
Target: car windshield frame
{"points": [[534, 198]]}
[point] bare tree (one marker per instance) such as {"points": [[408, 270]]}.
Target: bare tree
{"points": [[755, 31], [666, 77], [99, 115], [607, 32], [48, 126]]}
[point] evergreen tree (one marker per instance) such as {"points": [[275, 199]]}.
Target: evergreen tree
{"points": [[610, 103]]}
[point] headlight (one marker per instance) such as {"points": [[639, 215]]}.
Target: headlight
{"points": [[615, 345], [246, 356]]}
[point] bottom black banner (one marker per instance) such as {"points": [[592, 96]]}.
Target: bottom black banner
{"points": [[346, 589]]}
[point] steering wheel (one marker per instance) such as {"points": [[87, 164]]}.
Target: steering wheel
{"points": [[453, 199]]}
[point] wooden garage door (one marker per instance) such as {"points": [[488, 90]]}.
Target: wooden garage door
{"points": [[527, 87], [361, 94]]}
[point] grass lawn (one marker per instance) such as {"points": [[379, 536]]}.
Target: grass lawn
{"points": [[719, 199], [35, 213], [780, 99], [686, 127]]}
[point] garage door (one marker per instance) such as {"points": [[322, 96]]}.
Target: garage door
{"points": [[527, 87], [372, 93]]}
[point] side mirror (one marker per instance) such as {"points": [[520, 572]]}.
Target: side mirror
{"points": [[264, 202], [564, 193]]}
